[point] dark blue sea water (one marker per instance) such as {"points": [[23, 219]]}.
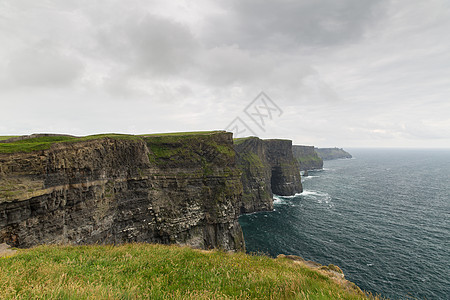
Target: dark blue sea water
{"points": [[383, 217]]}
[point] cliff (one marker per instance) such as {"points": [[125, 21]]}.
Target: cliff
{"points": [[182, 189], [307, 157], [332, 153], [268, 167]]}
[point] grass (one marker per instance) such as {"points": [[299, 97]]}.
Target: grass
{"points": [[43, 143], [181, 133], [189, 147], [238, 141], [2, 138], [34, 144], [308, 158], [252, 159], [144, 271]]}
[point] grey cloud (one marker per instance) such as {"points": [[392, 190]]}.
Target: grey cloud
{"points": [[224, 66], [279, 24], [345, 73], [148, 44], [42, 65]]}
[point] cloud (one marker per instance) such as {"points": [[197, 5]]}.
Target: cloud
{"points": [[148, 45], [42, 65], [276, 25], [345, 73]]}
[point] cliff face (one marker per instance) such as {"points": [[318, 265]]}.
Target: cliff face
{"points": [[164, 189], [307, 157], [268, 167], [332, 153], [285, 180]]}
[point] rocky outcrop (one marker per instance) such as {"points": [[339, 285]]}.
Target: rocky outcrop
{"points": [[331, 271], [332, 153], [307, 157], [182, 189], [268, 167]]}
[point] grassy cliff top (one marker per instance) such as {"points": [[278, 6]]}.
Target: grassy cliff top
{"points": [[31, 143], [238, 141], [6, 137], [182, 133], [145, 271]]}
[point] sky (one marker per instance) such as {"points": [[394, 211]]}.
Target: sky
{"points": [[328, 73]]}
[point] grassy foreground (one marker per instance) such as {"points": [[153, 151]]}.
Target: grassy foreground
{"points": [[144, 271]]}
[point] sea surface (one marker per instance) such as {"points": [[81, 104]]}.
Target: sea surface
{"points": [[383, 217]]}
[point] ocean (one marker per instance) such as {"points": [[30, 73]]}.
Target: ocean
{"points": [[383, 217]]}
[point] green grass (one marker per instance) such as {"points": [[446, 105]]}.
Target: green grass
{"points": [[2, 138], [238, 141], [252, 159], [43, 143], [181, 133], [308, 158], [192, 147], [144, 271], [34, 144]]}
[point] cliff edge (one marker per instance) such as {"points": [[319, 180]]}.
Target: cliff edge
{"points": [[182, 189]]}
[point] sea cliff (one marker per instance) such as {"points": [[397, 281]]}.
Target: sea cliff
{"points": [[307, 157], [268, 167], [183, 189], [186, 188], [332, 153]]}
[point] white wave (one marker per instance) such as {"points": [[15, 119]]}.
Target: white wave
{"points": [[327, 169], [313, 193], [277, 200], [304, 178], [320, 197], [292, 196], [304, 193]]}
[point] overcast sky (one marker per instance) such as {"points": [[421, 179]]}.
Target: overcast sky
{"points": [[347, 73]]}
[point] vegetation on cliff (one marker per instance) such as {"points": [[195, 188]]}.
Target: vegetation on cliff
{"points": [[307, 157], [45, 142], [13, 144], [268, 167], [6, 137], [332, 153], [168, 150], [145, 271]]}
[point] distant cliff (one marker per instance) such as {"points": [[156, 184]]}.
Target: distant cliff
{"points": [[307, 157], [268, 167], [182, 189], [332, 153]]}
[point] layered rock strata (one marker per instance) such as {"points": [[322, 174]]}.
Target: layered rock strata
{"points": [[183, 189], [268, 167]]}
